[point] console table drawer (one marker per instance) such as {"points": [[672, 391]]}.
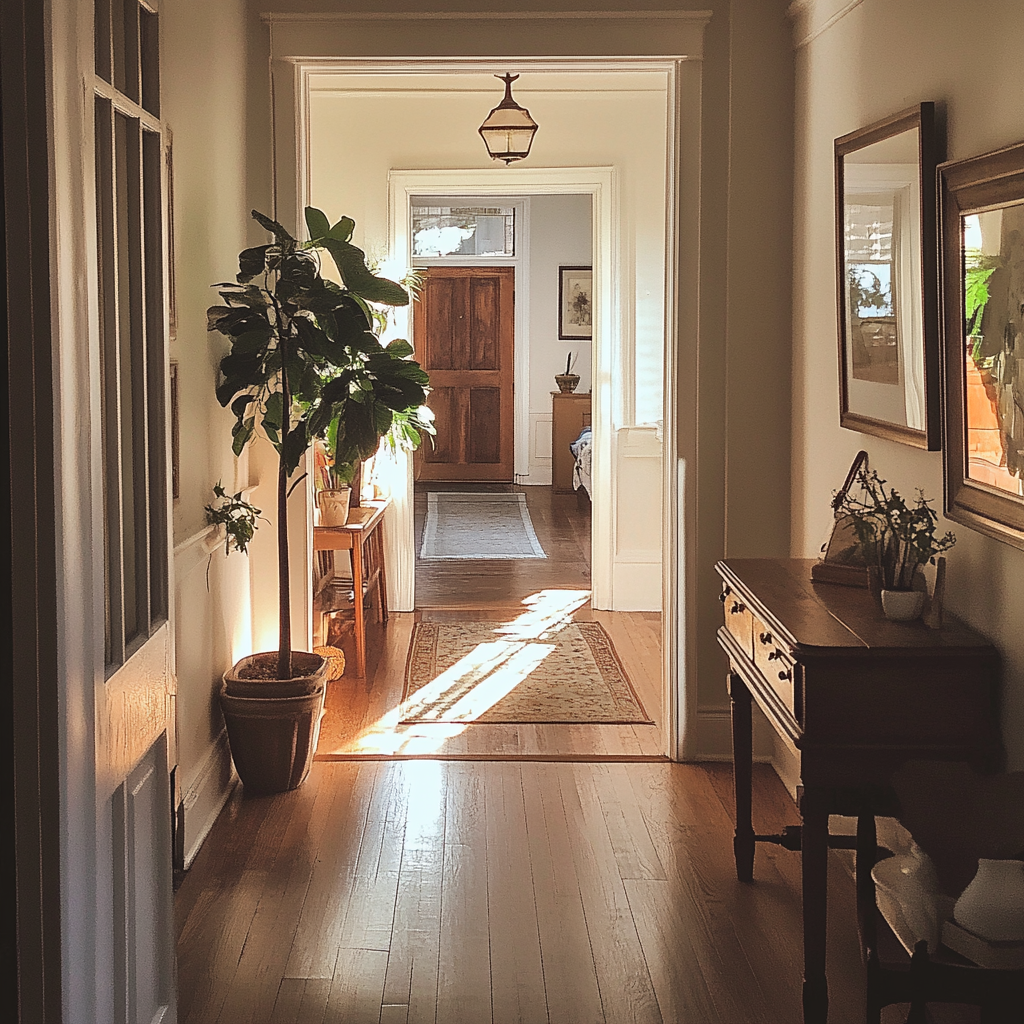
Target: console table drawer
{"points": [[738, 619], [776, 664]]}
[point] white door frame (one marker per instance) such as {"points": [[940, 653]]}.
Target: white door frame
{"points": [[672, 41], [599, 183]]}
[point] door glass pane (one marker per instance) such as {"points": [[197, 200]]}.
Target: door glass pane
{"points": [[446, 230]]}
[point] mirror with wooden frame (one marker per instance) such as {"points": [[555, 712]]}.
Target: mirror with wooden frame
{"points": [[886, 279], [982, 227]]}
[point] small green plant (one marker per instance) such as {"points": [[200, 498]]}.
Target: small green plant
{"points": [[893, 535], [236, 515], [978, 268]]}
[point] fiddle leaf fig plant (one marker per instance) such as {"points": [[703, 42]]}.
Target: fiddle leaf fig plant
{"points": [[304, 355]]}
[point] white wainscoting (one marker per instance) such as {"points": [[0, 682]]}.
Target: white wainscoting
{"points": [[540, 450], [637, 488]]}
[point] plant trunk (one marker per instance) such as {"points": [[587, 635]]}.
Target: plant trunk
{"points": [[357, 484], [284, 650]]}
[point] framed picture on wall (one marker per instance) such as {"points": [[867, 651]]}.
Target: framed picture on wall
{"points": [[575, 303], [981, 205]]}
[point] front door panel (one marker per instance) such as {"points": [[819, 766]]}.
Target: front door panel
{"points": [[463, 331]]}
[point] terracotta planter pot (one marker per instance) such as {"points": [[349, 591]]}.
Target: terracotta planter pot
{"points": [[274, 724]]}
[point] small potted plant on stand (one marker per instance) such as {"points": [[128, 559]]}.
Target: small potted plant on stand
{"points": [[300, 346], [897, 539]]}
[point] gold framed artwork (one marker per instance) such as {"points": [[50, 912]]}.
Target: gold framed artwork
{"points": [[981, 210]]}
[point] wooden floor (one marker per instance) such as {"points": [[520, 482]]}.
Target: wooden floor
{"points": [[362, 717], [467, 893], [563, 529]]}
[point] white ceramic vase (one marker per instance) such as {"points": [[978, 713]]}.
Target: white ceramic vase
{"points": [[909, 896], [992, 906], [334, 506], [902, 605]]}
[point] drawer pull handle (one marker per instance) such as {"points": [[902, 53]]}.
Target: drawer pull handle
{"points": [[737, 607], [765, 638], [786, 674], [772, 655], [726, 591]]}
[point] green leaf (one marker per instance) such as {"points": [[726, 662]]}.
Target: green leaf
{"points": [[234, 320], [272, 226], [273, 416], [242, 432], [342, 231], [227, 389], [351, 264], [252, 341], [295, 444], [317, 223], [252, 262], [246, 295], [241, 403], [240, 365], [399, 348]]}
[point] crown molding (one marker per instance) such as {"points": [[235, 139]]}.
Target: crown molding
{"points": [[280, 17], [813, 17], [498, 36]]}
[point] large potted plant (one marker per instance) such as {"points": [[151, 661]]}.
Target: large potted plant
{"points": [[303, 355]]}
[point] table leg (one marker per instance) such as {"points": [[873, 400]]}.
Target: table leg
{"points": [[814, 866], [742, 762], [382, 582], [357, 602]]}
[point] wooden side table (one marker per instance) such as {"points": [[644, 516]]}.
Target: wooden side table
{"points": [[854, 696], [570, 413], [363, 537]]}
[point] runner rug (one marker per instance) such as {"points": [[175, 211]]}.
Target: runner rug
{"points": [[465, 672], [478, 525]]}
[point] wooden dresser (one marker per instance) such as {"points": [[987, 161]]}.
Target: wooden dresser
{"points": [[855, 696], [570, 413]]}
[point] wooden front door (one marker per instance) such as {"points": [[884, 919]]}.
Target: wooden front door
{"points": [[463, 331]]}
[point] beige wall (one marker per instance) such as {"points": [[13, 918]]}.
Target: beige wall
{"points": [[878, 59], [205, 55]]}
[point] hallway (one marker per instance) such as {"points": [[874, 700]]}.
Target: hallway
{"points": [[362, 716], [467, 893]]}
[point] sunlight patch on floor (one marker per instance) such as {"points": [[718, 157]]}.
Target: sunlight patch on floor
{"points": [[478, 681]]}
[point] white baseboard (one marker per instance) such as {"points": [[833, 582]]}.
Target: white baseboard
{"points": [[206, 796], [636, 586], [712, 736]]}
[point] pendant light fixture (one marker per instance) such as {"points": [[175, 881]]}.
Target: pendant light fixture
{"points": [[508, 130]]}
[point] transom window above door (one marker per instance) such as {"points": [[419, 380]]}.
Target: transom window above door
{"points": [[443, 228]]}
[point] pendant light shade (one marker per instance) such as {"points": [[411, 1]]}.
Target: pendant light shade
{"points": [[508, 130]]}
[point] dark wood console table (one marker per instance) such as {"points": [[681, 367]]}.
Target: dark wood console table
{"points": [[854, 696]]}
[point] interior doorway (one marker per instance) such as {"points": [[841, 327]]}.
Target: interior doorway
{"points": [[625, 384]]}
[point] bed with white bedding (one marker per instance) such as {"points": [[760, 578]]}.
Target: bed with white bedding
{"points": [[582, 451]]}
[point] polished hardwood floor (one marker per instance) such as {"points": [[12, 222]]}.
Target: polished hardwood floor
{"points": [[453, 892], [563, 529], [503, 874], [362, 714]]}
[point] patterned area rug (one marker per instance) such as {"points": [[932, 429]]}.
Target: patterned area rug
{"points": [[478, 525], [465, 672]]}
